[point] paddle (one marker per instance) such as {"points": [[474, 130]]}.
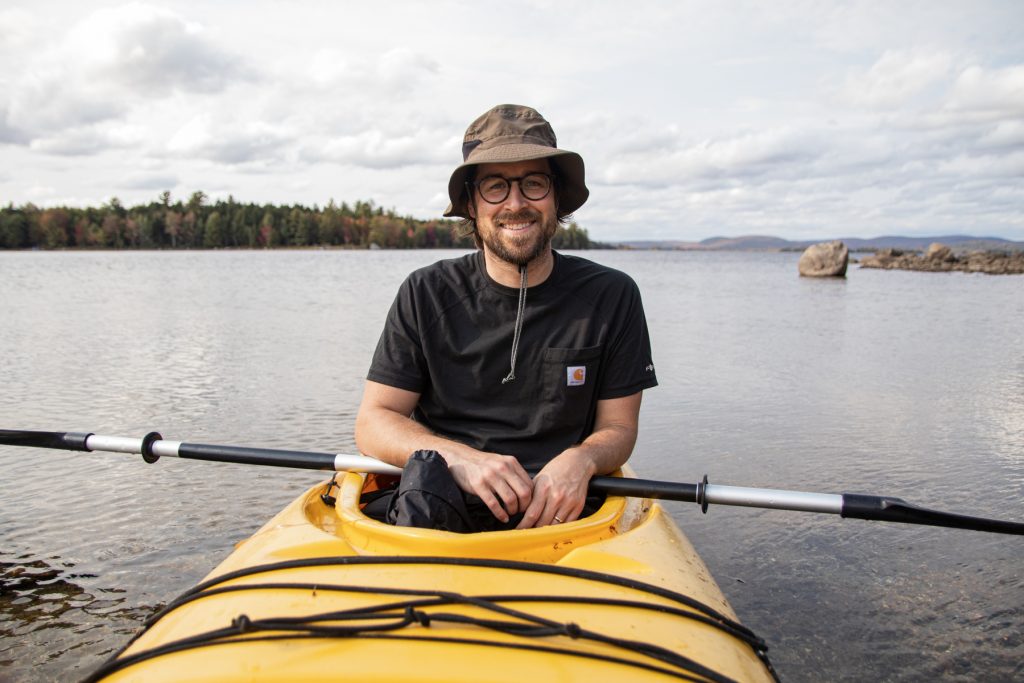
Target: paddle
{"points": [[858, 506]]}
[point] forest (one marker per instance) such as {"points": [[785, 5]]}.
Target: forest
{"points": [[201, 224]]}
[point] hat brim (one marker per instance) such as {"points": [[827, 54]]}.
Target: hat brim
{"points": [[566, 165]]}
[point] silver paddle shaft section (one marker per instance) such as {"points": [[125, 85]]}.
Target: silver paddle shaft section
{"points": [[341, 462], [344, 462], [774, 499], [127, 444]]}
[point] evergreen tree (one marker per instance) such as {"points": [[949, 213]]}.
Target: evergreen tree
{"points": [[212, 236]]}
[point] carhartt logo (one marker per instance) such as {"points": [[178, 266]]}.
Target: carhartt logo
{"points": [[576, 375]]}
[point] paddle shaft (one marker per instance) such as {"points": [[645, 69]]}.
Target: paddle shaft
{"points": [[152, 447], [858, 506]]}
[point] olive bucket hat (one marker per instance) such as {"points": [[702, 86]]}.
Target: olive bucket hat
{"points": [[510, 133]]}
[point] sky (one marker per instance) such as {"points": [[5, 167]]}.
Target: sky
{"points": [[794, 118]]}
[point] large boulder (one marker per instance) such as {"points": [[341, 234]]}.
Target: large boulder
{"points": [[826, 259], [939, 253]]}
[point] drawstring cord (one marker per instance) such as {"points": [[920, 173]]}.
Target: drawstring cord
{"points": [[519, 325]]}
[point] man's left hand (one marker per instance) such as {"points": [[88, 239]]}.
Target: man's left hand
{"points": [[559, 490]]}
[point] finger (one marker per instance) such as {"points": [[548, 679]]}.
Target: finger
{"points": [[523, 491], [516, 475], [513, 480], [574, 507], [508, 497], [552, 520], [573, 514], [493, 505], [532, 514]]}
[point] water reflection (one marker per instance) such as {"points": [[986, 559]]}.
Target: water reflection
{"points": [[48, 610]]}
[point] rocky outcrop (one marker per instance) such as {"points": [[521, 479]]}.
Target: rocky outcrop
{"points": [[939, 258], [827, 259]]}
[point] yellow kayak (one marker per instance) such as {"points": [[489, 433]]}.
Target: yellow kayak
{"points": [[323, 592]]}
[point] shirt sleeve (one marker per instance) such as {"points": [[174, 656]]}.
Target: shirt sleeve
{"points": [[398, 360], [629, 366]]}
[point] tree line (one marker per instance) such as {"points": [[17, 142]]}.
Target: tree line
{"points": [[200, 224]]}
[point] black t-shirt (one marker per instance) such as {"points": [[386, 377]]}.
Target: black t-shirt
{"points": [[448, 336]]}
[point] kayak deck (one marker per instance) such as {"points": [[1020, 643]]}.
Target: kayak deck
{"points": [[323, 590]]}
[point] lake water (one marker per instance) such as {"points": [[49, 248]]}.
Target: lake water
{"points": [[896, 383]]}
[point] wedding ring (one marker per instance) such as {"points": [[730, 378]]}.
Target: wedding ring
{"points": [[558, 520]]}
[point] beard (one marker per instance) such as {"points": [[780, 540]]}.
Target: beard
{"points": [[508, 246]]}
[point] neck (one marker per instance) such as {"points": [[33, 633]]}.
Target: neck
{"points": [[504, 273]]}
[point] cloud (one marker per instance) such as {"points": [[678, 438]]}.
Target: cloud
{"points": [[896, 79], [111, 61], [229, 140], [399, 70], [150, 50], [11, 134], [384, 149], [743, 157], [150, 181], [17, 26], [1008, 135], [87, 139], [996, 93], [74, 142]]}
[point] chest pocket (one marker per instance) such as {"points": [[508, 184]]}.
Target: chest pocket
{"points": [[569, 389]]}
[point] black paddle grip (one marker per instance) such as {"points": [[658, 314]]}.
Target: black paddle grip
{"points": [[886, 509], [67, 441]]}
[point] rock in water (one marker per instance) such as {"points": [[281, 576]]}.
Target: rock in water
{"points": [[827, 259], [940, 259], [939, 253]]}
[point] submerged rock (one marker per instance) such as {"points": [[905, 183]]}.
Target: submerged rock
{"points": [[826, 259], [940, 259]]}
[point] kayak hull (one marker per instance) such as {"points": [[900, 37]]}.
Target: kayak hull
{"points": [[324, 590]]}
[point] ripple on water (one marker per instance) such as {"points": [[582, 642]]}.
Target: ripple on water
{"points": [[47, 610]]}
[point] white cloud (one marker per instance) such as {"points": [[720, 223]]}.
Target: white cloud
{"points": [[896, 79], [1007, 134], [110, 61], [230, 141], [150, 50], [399, 70], [744, 157], [380, 148], [9, 133], [17, 27], [998, 93], [150, 181]]}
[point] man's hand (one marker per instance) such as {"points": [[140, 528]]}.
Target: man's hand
{"points": [[498, 480], [559, 490]]}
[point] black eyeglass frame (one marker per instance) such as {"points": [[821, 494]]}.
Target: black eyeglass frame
{"points": [[475, 185]]}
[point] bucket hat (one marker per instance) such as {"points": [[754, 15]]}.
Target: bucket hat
{"points": [[509, 133]]}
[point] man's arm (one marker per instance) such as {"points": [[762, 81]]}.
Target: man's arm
{"points": [[385, 430], [560, 489]]}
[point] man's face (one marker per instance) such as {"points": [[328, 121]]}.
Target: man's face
{"points": [[516, 230]]}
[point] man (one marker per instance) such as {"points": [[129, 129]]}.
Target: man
{"points": [[513, 357]]}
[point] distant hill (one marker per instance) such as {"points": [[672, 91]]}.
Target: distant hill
{"points": [[769, 243]]}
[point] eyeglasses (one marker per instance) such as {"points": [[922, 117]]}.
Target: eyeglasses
{"points": [[495, 188]]}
